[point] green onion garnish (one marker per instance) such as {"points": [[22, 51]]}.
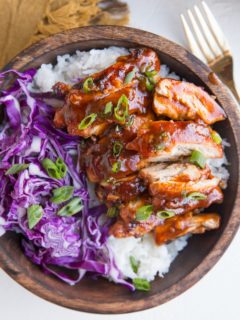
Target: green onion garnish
{"points": [[112, 212], [130, 76], [62, 168], [62, 194], [16, 168], [116, 166], [216, 137], [165, 214], [151, 74], [51, 168], [34, 215], [73, 207], [87, 121], [198, 158], [141, 284], [134, 264], [121, 110], [108, 107], [144, 212], [196, 196], [149, 85], [87, 85], [117, 148]]}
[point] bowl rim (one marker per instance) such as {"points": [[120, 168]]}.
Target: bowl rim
{"points": [[143, 38]]}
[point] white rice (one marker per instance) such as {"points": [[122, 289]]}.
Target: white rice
{"points": [[70, 68], [154, 260]]}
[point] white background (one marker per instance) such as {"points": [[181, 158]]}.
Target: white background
{"points": [[216, 296]]}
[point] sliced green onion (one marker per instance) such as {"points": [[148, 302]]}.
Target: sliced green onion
{"points": [[51, 168], [165, 214], [134, 264], [196, 196], [130, 76], [116, 166], [149, 85], [62, 194], [87, 121], [73, 207], [16, 168], [121, 110], [108, 107], [141, 284], [144, 212], [117, 148], [216, 137], [62, 167], [112, 212], [151, 73], [87, 85], [198, 158], [34, 215]]}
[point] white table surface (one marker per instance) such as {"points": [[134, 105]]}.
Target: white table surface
{"points": [[216, 296]]}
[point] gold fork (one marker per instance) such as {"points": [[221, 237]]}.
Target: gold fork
{"points": [[210, 45]]}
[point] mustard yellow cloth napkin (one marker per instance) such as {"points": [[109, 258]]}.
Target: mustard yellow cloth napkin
{"points": [[23, 22]]}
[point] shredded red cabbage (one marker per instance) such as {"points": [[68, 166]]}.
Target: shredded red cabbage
{"points": [[56, 243]]}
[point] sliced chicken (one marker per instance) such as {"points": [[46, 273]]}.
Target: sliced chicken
{"points": [[178, 226], [114, 192], [99, 158], [162, 141], [183, 204], [178, 179], [180, 100], [181, 172], [110, 98], [127, 225], [181, 187], [121, 230]]}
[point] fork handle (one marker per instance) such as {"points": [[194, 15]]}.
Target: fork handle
{"points": [[224, 69]]}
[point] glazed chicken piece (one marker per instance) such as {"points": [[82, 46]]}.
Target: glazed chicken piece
{"points": [[160, 141], [181, 187], [178, 179], [109, 157], [175, 191], [180, 100], [114, 192], [182, 204], [178, 226], [127, 225], [122, 230], [111, 98]]}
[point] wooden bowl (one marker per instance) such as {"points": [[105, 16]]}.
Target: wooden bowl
{"points": [[202, 252]]}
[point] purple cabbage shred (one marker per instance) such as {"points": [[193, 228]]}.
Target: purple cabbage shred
{"points": [[61, 246]]}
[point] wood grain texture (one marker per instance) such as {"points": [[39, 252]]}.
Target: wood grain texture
{"points": [[202, 252]]}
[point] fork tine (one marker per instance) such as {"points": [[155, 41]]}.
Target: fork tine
{"points": [[202, 42], [221, 40], [208, 35], [191, 40]]}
